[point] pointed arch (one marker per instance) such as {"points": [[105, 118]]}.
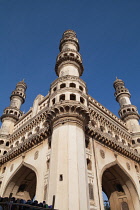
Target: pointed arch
{"points": [[117, 183], [22, 183]]}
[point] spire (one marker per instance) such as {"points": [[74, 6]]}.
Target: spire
{"points": [[69, 61]]}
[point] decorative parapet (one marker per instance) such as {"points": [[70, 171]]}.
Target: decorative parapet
{"points": [[26, 145], [111, 143]]}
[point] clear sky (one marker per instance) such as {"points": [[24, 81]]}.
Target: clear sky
{"points": [[109, 36]]}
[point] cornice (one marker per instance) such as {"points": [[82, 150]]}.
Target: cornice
{"points": [[68, 77], [32, 141], [110, 142]]}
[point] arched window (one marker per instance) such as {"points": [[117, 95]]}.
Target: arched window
{"points": [[82, 100], [81, 88], [1, 142], [4, 152], [72, 97], [89, 164], [133, 142], [138, 140], [54, 89], [53, 101], [62, 97], [63, 85], [7, 143], [91, 196], [73, 85]]}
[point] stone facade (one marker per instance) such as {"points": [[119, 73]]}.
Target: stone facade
{"points": [[69, 145]]}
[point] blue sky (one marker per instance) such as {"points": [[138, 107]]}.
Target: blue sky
{"points": [[109, 36]]}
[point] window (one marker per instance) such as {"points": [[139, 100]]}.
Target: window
{"points": [[54, 89], [72, 97], [1, 141], [133, 141], [82, 100], [7, 143], [62, 97], [73, 85], [80, 87], [138, 140], [53, 101], [4, 152], [63, 85], [61, 177], [71, 54]]}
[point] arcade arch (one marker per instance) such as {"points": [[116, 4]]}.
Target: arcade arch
{"points": [[119, 188], [22, 184]]}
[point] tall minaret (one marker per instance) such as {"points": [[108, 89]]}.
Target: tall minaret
{"points": [[128, 112], [12, 113], [68, 116]]}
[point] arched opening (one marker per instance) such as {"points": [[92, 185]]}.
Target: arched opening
{"points": [[22, 185], [119, 189], [62, 97], [73, 85], [63, 85], [72, 97]]}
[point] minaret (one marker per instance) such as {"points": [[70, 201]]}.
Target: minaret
{"points": [[68, 116], [128, 112], [12, 113]]}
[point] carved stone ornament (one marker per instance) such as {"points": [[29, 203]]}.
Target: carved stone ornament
{"points": [[128, 166], [102, 153], [36, 155]]}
